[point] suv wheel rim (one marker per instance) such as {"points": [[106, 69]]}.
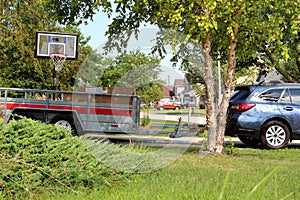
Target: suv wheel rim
{"points": [[275, 135]]}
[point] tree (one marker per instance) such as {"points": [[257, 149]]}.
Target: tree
{"points": [[73, 12], [138, 71], [17, 43], [92, 69], [134, 70], [236, 28], [151, 92], [283, 52], [218, 25]]}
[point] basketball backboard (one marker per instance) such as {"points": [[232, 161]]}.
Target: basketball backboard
{"points": [[54, 42]]}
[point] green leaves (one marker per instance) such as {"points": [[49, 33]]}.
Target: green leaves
{"points": [[140, 68], [134, 70], [19, 68]]}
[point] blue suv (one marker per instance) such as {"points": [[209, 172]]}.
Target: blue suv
{"points": [[265, 114]]}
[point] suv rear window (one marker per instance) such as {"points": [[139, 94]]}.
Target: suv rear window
{"points": [[240, 93]]}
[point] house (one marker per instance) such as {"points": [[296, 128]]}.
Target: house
{"points": [[183, 92], [179, 86], [168, 92]]}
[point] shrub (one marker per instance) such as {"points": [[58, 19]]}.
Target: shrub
{"points": [[229, 148], [145, 121], [36, 157]]}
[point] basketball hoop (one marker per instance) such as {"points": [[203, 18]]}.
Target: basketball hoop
{"points": [[58, 60]]}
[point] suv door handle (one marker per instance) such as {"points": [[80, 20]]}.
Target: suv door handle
{"points": [[288, 108]]}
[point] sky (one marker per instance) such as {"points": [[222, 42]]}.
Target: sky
{"points": [[96, 30]]}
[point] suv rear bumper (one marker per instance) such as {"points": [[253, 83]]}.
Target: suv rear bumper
{"points": [[234, 129]]}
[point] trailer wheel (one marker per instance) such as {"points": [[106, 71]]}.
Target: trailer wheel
{"points": [[65, 122], [18, 116]]}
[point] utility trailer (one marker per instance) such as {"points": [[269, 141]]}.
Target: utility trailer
{"points": [[80, 112]]}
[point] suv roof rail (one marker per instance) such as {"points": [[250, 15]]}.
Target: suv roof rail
{"points": [[273, 82], [258, 83]]}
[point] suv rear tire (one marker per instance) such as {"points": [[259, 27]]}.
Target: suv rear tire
{"points": [[249, 141], [275, 135]]}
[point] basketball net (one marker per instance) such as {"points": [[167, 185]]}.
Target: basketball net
{"points": [[58, 60]]}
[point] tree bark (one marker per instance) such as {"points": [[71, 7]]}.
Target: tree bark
{"points": [[210, 93], [222, 111]]}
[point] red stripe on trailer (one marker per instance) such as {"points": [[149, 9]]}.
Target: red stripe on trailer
{"points": [[108, 111], [11, 106], [78, 109], [93, 110]]}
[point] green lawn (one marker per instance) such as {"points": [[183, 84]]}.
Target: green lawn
{"points": [[196, 112], [153, 122], [249, 174]]}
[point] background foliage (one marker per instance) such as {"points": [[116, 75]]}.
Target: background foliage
{"points": [[19, 21], [135, 70]]}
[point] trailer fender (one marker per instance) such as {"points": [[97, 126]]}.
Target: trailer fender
{"points": [[68, 120]]}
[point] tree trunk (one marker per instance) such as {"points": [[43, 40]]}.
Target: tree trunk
{"points": [[222, 112], [210, 93]]}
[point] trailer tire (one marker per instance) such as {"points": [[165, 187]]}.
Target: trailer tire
{"points": [[19, 115], [65, 122]]}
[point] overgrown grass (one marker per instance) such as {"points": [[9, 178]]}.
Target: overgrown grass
{"points": [[40, 158], [249, 174]]}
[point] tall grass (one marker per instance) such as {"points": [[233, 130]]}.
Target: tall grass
{"points": [[249, 174], [40, 158]]}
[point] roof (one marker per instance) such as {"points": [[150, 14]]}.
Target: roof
{"points": [[192, 93], [179, 82], [168, 91]]}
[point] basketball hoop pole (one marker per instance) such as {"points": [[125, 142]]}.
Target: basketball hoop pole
{"points": [[58, 61], [54, 82]]}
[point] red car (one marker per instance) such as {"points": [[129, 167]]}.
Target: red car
{"points": [[161, 105]]}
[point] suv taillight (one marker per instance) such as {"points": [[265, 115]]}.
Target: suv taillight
{"points": [[242, 107]]}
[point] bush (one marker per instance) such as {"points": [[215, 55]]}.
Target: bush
{"points": [[36, 158], [229, 148], [145, 121]]}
